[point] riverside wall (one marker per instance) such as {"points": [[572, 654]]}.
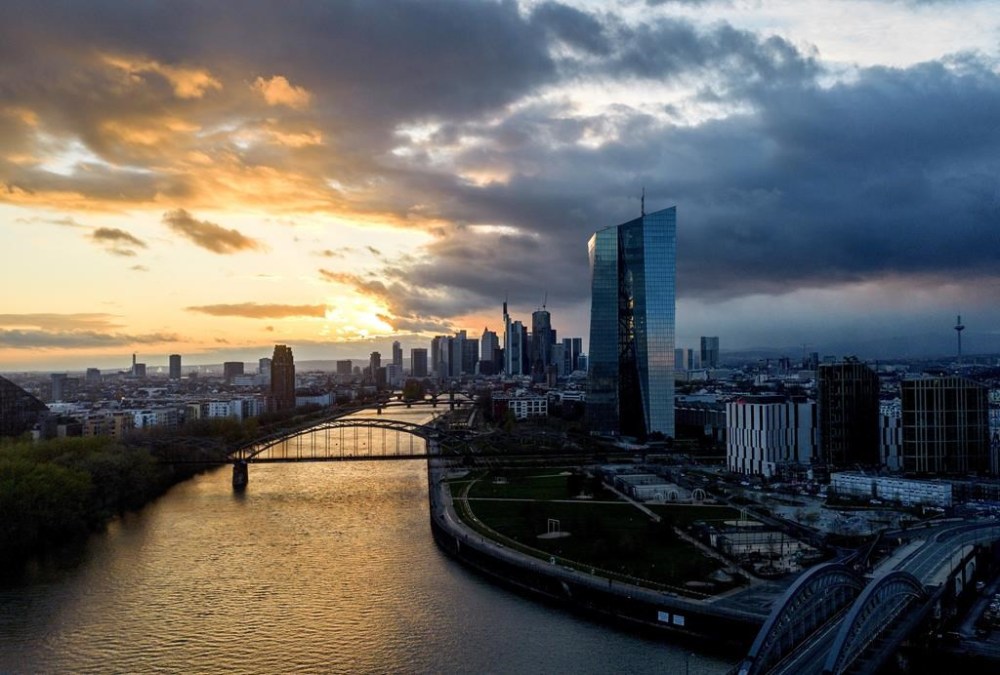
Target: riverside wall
{"points": [[634, 606]]}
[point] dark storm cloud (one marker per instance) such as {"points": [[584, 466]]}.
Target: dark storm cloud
{"points": [[891, 174], [573, 26]]}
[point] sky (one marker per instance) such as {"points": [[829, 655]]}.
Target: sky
{"points": [[213, 178]]}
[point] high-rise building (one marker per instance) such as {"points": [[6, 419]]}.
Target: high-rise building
{"points": [[679, 360], [489, 350], [397, 354], [344, 372], [93, 376], [440, 355], [374, 363], [847, 398], [709, 352], [282, 379], [175, 366], [470, 356], [231, 369], [633, 269], [515, 352], [264, 372], [418, 362], [542, 339], [945, 426]]}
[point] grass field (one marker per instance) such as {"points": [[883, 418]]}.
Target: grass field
{"points": [[616, 538]]}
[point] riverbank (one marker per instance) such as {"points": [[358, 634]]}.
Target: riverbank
{"points": [[641, 608]]}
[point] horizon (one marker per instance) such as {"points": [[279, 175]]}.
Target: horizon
{"points": [[202, 189]]}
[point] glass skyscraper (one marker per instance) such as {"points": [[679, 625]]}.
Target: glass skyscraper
{"points": [[631, 359]]}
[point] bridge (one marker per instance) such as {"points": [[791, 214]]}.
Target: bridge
{"points": [[832, 620], [347, 439]]}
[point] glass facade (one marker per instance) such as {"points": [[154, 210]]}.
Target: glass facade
{"points": [[631, 383]]}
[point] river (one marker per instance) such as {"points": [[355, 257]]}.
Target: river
{"points": [[317, 567]]}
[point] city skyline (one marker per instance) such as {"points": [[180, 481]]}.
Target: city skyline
{"points": [[203, 190]]}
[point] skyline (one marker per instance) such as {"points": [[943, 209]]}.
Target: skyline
{"points": [[324, 175]]}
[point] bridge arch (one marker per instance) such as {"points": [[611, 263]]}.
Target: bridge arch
{"points": [[810, 602], [873, 611], [250, 452]]}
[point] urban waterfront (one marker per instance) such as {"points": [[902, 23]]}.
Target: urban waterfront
{"points": [[317, 567]]}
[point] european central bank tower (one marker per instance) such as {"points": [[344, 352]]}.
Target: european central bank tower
{"points": [[631, 383]]}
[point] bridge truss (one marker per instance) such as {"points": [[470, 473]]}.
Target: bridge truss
{"points": [[873, 612], [351, 438], [814, 599]]}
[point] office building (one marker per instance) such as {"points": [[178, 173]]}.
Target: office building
{"points": [[764, 433], [847, 396], [633, 270], [344, 370], [542, 339], [709, 352], [231, 369], [489, 352], [374, 363], [175, 366], [282, 379], [397, 354], [418, 362], [945, 426], [93, 376], [264, 372]]}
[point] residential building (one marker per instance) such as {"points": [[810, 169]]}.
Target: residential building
{"points": [[282, 379], [175, 366], [766, 432]]}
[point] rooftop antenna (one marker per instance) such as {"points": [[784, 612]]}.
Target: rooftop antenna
{"points": [[545, 300], [958, 329], [642, 202]]}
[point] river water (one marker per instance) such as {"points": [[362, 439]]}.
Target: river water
{"points": [[317, 567]]}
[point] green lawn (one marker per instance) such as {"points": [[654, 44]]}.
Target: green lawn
{"points": [[615, 538]]}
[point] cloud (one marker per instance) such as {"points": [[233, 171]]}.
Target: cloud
{"points": [[208, 235], [186, 82], [62, 222], [139, 268], [278, 91], [253, 310], [45, 339], [61, 322], [118, 242]]}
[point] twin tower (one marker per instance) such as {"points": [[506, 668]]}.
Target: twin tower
{"points": [[633, 272]]}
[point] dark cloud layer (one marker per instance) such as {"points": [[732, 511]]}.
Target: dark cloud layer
{"points": [[432, 115]]}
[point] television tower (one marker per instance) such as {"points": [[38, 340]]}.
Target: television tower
{"points": [[958, 329]]}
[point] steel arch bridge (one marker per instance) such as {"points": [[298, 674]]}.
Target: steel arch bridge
{"points": [[872, 613], [814, 599], [345, 439]]}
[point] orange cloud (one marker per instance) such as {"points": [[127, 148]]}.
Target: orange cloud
{"points": [[252, 310], [279, 91], [186, 82], [208, 235]]}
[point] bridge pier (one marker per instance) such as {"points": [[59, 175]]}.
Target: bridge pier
{"points": [[241, 475]]}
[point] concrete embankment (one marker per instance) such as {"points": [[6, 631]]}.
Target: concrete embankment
{"points": [[625, 603]]}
